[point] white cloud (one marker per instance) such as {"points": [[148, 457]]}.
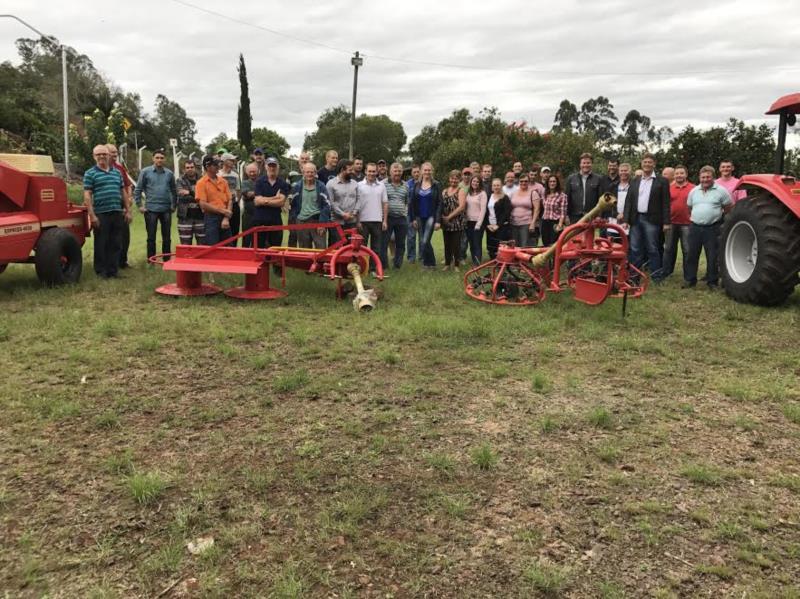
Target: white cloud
{"points": [[162, 46]]}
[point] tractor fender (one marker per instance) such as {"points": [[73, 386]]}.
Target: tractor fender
{"points": [[785, 189]]}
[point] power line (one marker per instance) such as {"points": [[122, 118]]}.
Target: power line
{"points": [[522, 70], [261, 27]]}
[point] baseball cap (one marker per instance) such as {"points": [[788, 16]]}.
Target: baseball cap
{"points": [[545, 168], [258, 151], [381, 161], [210, 160], [271, 160], [466, 171], [228, 156], [222, 151]]}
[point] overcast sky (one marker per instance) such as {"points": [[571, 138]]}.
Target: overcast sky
{"points": [[685, 62]]}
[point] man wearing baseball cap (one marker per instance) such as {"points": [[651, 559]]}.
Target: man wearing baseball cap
{"points": [[214, 197], [382, 170], [271, 193], [258, 158]]}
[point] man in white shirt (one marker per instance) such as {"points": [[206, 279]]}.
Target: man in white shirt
{"points": [[373, 210], [511, 186]]}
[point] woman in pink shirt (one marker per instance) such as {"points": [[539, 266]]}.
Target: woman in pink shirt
{"points": [[476, 212], [525, 207]]}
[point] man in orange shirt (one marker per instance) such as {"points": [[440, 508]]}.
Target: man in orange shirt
{"points": [[214, 196]]}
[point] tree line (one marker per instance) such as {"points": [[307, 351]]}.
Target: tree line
{"points": [[102, 112]]}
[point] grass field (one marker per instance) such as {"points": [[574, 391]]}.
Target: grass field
{"points": [[434, 448]]}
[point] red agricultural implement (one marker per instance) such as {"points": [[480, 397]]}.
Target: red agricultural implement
{"points": [[597, 267], [761, 236], [346, 259], [38, 224]]}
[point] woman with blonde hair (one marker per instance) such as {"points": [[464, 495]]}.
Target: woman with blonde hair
{"points": [[497, 219], [425, 211]]}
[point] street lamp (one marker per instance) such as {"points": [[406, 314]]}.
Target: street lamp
{"points": [[356, 61], [64, 80]]}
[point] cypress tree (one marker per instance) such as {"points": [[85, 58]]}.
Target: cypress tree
{"points": [[244, 118]]}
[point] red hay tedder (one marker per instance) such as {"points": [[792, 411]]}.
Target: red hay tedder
{"points": [[346, 259], [38, 224], [597, 267]]}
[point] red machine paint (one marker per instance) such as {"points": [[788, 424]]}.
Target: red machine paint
{"points": [[597, 268], [760, 236], [38, 224], [190, 261]]}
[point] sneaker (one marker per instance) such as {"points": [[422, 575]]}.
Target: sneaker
{"points": [[445, 268], [688, 285], [712, 287]]}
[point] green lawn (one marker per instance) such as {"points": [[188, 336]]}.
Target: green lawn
{"points": [[436, 447]]}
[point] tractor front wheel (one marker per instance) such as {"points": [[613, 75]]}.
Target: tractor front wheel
{"points": [[760, 251], [58, 258]]}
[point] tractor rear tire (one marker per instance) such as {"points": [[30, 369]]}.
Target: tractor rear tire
{"points": [[58, 258], [760, 251]]}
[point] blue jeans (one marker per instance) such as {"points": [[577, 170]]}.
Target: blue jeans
{"points": [[645, 237], [676, 233], [475, 240], [213, 226], [425, 228], [151, 222], [411, 243], [399, 226]]}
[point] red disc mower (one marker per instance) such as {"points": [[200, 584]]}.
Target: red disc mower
{"points": [[346, 259]]}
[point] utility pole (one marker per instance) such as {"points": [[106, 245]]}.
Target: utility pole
{"points": [[64, 82], [356, 61]]}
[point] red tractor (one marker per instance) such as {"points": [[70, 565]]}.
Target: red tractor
{"points": [[39, 225], [761, 235]]}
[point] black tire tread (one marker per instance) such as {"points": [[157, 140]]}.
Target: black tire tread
{"points": [[778, 231], [52, 245]]}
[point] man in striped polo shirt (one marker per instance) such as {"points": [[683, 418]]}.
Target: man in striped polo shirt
{"points": [[102, 195], [397, 192]]}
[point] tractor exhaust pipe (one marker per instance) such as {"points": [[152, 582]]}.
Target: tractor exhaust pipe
{"points": [[365, 299]]}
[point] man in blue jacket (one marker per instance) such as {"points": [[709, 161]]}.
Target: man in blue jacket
{"points": [[157, 183], [309, 204]]}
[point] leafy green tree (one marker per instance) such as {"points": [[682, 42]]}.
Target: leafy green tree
{"points": [[244, 118], [597, 117], [171, 121], [272, 142], [375, 137], [566, 118], [223, 141], [751, 147]]}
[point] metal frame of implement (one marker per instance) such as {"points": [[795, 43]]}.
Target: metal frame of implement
{"points": [[348, 258], [597, 267]]}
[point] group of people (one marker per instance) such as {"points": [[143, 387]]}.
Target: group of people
{"points": [[399, 216]]}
